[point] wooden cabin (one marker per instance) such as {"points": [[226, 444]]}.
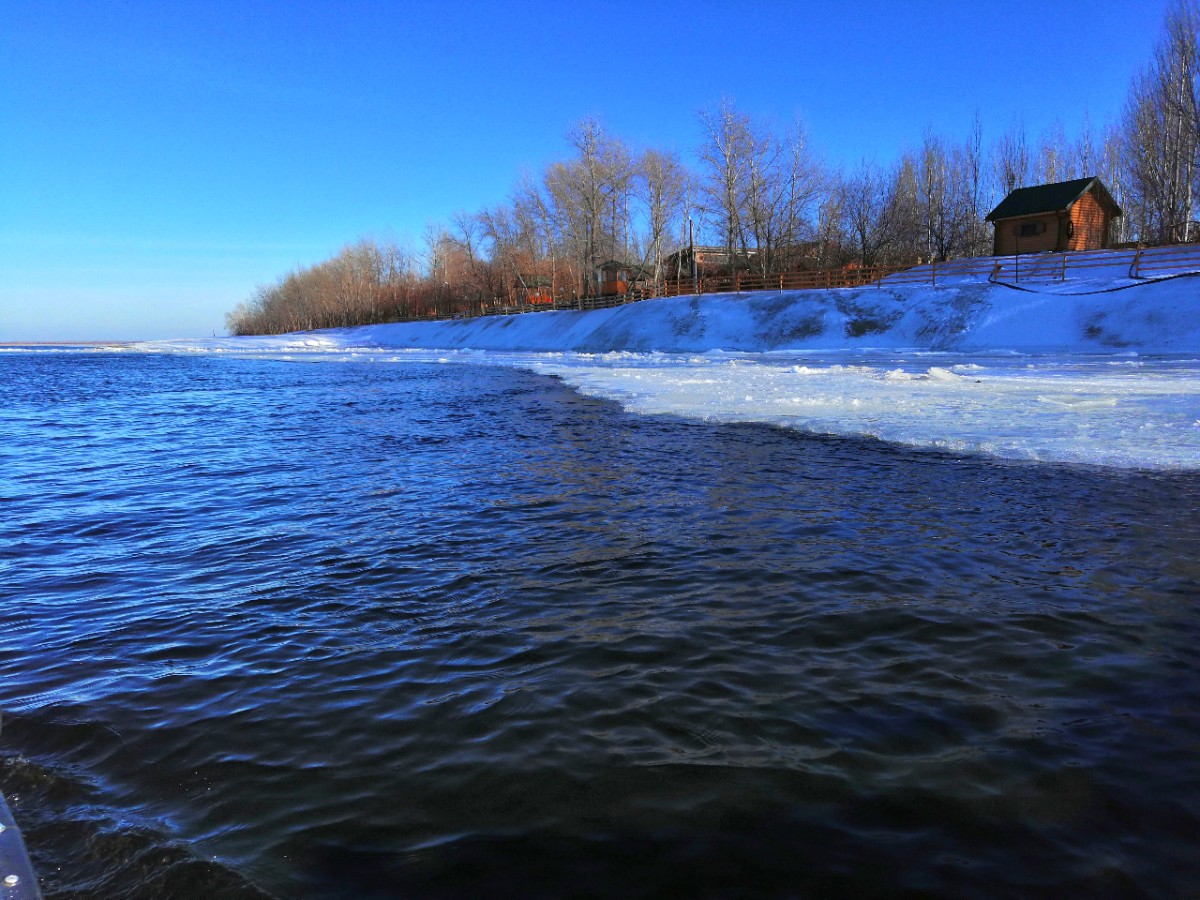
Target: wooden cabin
{"points": [[613, 279], [1068, 215]]}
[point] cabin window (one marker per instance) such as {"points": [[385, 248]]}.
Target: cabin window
{"points": [[1029, 229]]}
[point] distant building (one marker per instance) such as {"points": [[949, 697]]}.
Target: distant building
{"points": [[538, 289], [709, 261], [1068, 215], [801, 256]]}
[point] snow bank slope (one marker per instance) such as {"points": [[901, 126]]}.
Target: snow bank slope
{"points": [[1158, 316]]}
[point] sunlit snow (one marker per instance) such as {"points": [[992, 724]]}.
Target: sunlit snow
{"points": [[1097, 372]]}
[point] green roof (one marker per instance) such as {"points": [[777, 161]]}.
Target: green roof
{"points": [[1046, 198]]}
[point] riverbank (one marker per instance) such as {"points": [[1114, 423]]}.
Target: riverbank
{"points": [[1100, 315], [1093, 317]]}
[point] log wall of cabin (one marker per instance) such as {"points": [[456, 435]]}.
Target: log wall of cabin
{"points": [[1008, 240], [1089, 220]]}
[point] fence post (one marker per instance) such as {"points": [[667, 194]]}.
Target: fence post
{"points": [[1064, 267], [737, 282], [933, 279]]}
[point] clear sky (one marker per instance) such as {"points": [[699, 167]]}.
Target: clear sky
{"points": [[160, 159]]}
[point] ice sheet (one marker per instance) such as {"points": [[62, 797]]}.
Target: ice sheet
{"points": [[1127, 413]]}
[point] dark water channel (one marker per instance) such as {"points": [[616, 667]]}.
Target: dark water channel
{"points": [[369, 630]]}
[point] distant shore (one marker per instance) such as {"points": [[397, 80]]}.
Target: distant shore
{"points": [[66, 343]]}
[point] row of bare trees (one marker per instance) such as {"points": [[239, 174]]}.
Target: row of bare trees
{"points": [[366, 282], [761, 196]]}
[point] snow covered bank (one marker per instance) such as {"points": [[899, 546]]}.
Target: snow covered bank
{"points": [[1099, 316], [1105, 372], [1160, 317]]}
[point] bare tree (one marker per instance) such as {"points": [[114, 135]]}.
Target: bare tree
{"points": [[831, 234], [590, 197], [546, 242], [725, 157], [1011, 160], [977, 240], [864, 201], [938, 199], [782, 189], [805, 185], [663, 188], [950, 191], [1085, 152], [1110, 167], [764, 224], [901, 214], [1054, 160], [468, 236], [1161, 130], [759, 189]]}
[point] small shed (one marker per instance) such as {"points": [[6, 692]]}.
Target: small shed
{"points": [[615, 278], [1067, 215]]}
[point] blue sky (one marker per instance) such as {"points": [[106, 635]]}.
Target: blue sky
{"points": [[160, 159]]}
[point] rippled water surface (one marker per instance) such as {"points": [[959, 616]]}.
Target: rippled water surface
{"points": [[363, 629]]}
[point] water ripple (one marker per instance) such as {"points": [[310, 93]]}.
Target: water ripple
{"points": [[392, 630]]}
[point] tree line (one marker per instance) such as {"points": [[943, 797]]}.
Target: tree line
{"points": [[763, 198]]}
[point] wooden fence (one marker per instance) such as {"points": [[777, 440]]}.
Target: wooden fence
{"points": [[1136, 262], [1143, 262], [784, 281]]}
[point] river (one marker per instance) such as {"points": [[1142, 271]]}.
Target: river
{"points": [[358, 629]]}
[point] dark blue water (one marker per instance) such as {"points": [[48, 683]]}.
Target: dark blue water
{"points": [[378, 630]]}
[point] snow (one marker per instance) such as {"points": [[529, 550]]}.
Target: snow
{"points": [[1098, 371]]}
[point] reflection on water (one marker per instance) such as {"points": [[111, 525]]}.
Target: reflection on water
{"points": [[392, 630]]}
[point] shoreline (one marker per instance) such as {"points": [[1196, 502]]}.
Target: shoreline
{"points": [[10, 344]]}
